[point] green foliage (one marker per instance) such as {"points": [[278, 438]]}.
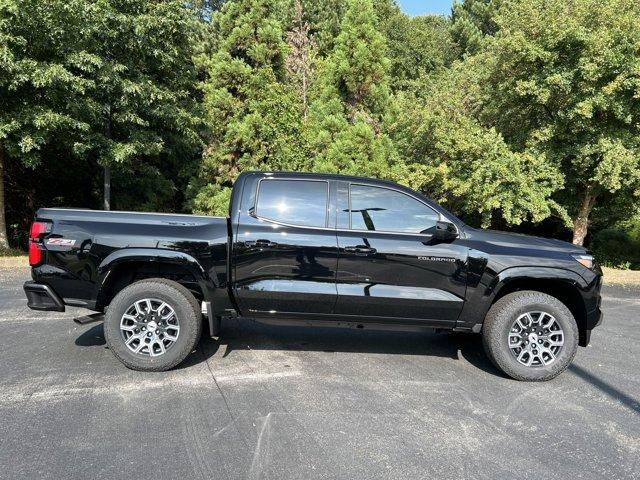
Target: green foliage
{"points": [[252, 113], [416, 46], [563, 80], [356, 69], [112, 77], [471, 22], [324, 18], [109, 82], [40, 77], [616, 248], [463, 164], [353, 96]]}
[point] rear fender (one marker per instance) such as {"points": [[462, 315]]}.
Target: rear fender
{"points": [[143, 255]]}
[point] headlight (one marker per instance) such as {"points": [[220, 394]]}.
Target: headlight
{"points": [[586, 260]]}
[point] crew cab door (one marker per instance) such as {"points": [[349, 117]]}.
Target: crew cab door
{"points": [[284, 253], [390, 265]]}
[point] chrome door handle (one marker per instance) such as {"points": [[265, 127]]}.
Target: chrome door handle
{"points": [[260, 244], [360, 251]]}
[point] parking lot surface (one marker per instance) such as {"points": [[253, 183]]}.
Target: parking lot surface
{"points": [[266, 402]]}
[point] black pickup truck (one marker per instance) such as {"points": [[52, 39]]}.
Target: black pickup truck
{"points": [[315, 250]]}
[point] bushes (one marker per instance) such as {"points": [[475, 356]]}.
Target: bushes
{"points": [[617, 248]]}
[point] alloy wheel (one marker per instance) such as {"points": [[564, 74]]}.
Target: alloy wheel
{"points": [[536, 339], [149, 327]]}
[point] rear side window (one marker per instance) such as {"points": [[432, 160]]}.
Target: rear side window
{"points": [[385, 210], [295, 202]]}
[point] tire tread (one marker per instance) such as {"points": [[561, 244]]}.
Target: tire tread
{"points": [[502, 311], [193, 325]]}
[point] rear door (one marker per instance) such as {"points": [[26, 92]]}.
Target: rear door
{"points": [[285, 253], [390, 265]]}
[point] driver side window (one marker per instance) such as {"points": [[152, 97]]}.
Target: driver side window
{"points": [[385, 210]]}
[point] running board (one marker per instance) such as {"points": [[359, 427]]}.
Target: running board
{"points": [[94, 317]]}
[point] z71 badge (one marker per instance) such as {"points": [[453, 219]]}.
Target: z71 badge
{"points": [[62, 242]]}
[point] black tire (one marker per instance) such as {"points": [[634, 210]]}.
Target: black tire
{"points": [[499, 321], [187, 311]]}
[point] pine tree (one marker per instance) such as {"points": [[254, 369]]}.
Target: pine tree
{"points": [[471, 21], [353, 97], [253, 115]]}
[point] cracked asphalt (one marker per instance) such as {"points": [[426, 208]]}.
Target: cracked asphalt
{"points": [[266, 402]]}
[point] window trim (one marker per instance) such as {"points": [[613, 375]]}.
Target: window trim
{"points": [[438, 214], [297, 225]]}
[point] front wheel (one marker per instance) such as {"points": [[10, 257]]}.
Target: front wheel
{"points": [[153, 324], [530, 336]]}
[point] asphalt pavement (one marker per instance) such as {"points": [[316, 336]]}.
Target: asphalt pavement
{"points": [[268, 402]]}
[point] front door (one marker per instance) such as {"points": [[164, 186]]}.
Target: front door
{"points": [[285, 254], [390, 266]]}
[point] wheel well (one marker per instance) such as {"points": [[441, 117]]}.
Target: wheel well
{"points": [[563, 291], [126, 273]]}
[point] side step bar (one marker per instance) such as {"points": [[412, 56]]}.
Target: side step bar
{"points": [[94, 317]]}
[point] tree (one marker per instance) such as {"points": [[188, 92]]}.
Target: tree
{"points": [[471, 21], [347, 130], [416, 46], [299, 60], [464, 164], [324, 17], [141, 104], [563, 81], [39, 86], [109, 82], [253, 115]]}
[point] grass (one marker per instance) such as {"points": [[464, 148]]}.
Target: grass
{"points": [[11, 252], [13, 261], [614, 276]]}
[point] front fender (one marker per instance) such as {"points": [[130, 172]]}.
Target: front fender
{"points": [[480, 297], [538, 273]]}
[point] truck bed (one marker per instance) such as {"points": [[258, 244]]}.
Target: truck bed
{"points": [[82, 246]]}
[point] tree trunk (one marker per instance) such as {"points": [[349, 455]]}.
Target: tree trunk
{"points": [[107, 188], [581, 222], [305, 108], [4, 239], [107, 169]]}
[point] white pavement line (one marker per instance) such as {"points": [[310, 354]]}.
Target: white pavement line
{"points": [[20, 319], [18, 392], [12, 394], [633, 301]]}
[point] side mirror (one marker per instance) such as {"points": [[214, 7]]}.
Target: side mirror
{"points": [[445, 230]]}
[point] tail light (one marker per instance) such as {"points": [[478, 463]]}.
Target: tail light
{"points": [[38, 230]]}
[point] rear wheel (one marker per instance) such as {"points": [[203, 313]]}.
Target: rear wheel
{"points": [[530, 336], [153, 324]]}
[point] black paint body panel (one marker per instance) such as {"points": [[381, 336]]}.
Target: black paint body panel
{"points": [[251, 266]]}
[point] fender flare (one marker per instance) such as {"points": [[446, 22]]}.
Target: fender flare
{"points": [[479, 300], [150, 255], [538, 273]]}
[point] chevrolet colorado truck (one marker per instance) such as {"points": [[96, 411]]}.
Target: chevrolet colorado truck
{"points": [[315, 250]]}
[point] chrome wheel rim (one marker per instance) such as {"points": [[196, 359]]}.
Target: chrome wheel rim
{"points": [[536, 339], [149, 327]]}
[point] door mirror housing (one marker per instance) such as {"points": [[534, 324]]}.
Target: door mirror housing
{"points": [[445, 230]]}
